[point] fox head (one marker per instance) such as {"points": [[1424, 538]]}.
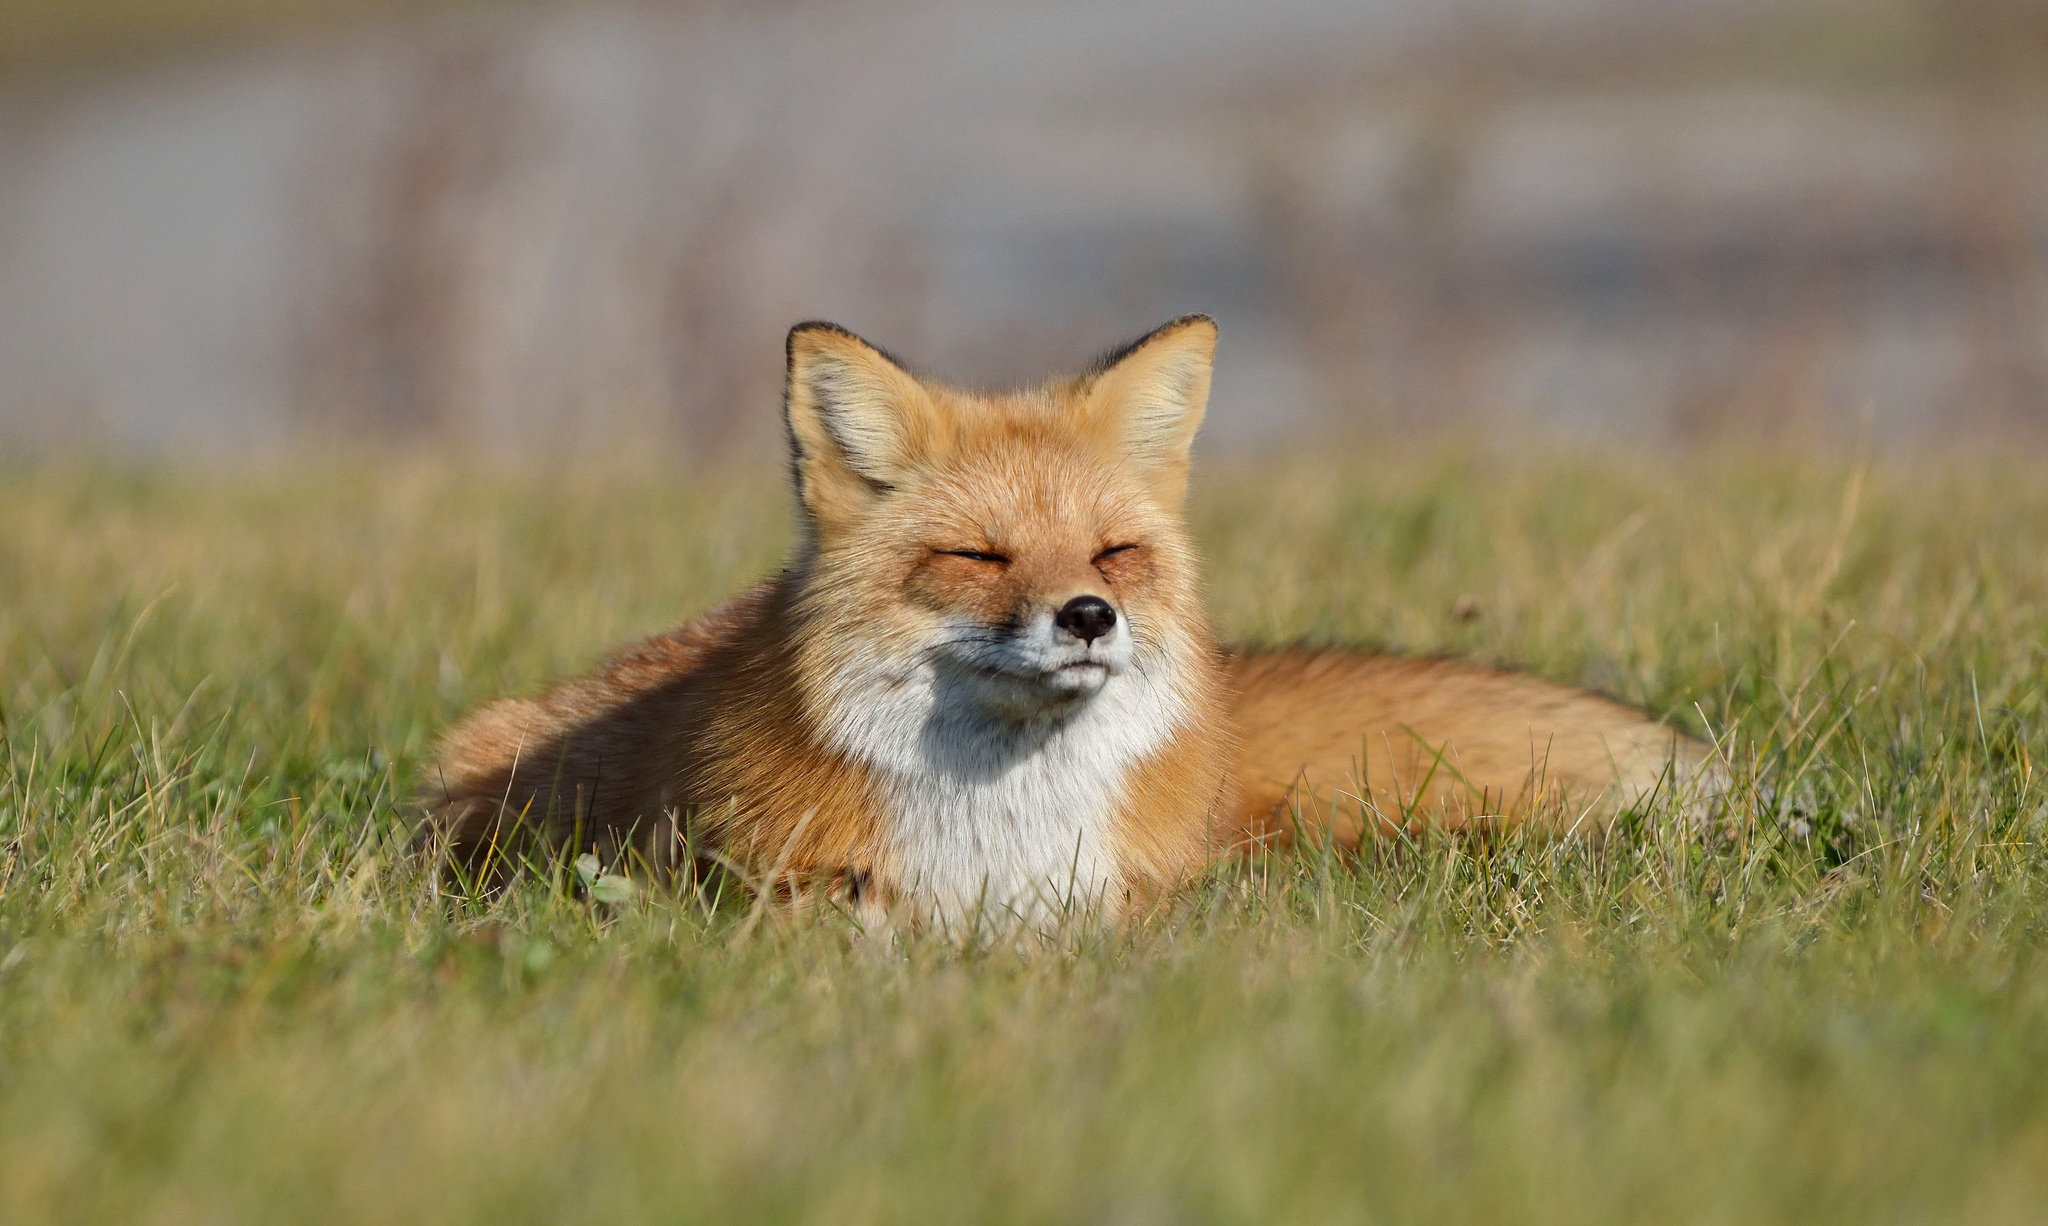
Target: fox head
{"points": [[1018, 558]]}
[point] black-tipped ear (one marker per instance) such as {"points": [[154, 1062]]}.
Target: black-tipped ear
{"points": [[1145, 400], [857, 420]]}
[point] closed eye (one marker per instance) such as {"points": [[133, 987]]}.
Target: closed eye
{"points": [[974, 555], [1112, 551]]}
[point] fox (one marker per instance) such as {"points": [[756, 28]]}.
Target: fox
{"points": [[985, 683]]}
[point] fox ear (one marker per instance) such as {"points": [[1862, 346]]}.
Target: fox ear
{"points": [[1145, 401], [857, 421]]}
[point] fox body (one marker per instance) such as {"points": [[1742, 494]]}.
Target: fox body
{"points": [[986, 685]]}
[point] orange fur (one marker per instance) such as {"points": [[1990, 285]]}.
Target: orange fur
{"points": [[1361, 743], [906, 709]]}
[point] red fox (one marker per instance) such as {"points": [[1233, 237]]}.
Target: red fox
{"points": [[985, 683]]}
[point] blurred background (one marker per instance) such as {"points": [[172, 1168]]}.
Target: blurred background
{"points": [[538, 224]]}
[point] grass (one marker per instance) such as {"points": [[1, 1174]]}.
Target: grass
{"points": [[226, 993], [42, 35]]}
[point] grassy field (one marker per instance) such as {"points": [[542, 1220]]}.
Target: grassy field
{"points": [[227, 995]]}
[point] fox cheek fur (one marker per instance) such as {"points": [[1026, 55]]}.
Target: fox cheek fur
{"points": [[1061, 632], [992, 615], [986, 686]]}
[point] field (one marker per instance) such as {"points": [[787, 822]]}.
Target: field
{"points": [[228, 994]]}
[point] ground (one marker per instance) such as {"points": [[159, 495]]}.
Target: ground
{"points": [[227, 993]]}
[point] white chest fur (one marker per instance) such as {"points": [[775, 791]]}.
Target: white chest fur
{"points": [[997, 819]]}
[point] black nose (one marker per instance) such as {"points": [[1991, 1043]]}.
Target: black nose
{"points": [[1086, 618]]}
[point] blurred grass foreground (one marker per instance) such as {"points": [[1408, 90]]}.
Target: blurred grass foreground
{"points": [[227, 993]]}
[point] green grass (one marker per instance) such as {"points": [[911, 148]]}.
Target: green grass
{"points": [[71, 34], [227, 994]]}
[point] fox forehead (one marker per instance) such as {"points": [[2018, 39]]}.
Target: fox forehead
{"points": [[1041, 494]]}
